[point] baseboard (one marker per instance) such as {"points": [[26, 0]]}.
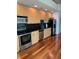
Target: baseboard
{"points": [[46, 37], [58, 34]]}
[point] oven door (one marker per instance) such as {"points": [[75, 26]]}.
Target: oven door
{"points": [[25, 41]]}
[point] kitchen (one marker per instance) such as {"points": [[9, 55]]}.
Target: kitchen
{"points": [[34, 25]]}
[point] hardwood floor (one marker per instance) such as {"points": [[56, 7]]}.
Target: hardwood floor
{"points": [[49, 48]]}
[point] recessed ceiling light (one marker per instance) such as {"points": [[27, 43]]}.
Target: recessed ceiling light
{"points": [[46, 9], [52, 11], [35, 6]]}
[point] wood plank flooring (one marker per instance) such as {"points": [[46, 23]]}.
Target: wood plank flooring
{"points": [[49, 48]]}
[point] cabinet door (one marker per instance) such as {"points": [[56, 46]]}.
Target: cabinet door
{"points": [[18, 47], [47, 32], [35, 37]]}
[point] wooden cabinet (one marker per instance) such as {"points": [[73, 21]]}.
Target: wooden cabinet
{"points": [[18, 47], [35, 37], [47, 32]]}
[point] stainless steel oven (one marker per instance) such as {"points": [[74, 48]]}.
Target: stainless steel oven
{"points": [[21, 25], [25, 40]]}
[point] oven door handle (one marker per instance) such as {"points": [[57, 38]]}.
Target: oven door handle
{"points": [[24, 34]]}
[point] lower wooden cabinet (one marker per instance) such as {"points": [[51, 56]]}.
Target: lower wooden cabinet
{"points": [[35, 37], [47, 32], [18, 47]]}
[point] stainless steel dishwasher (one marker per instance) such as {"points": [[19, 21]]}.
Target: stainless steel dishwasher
{"points": [[41, 31], [41, 35]]}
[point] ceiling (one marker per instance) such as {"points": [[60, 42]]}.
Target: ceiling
{"points": [[50, 5]]}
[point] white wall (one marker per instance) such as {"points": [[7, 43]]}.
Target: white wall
{"points": [[57, 16]]}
